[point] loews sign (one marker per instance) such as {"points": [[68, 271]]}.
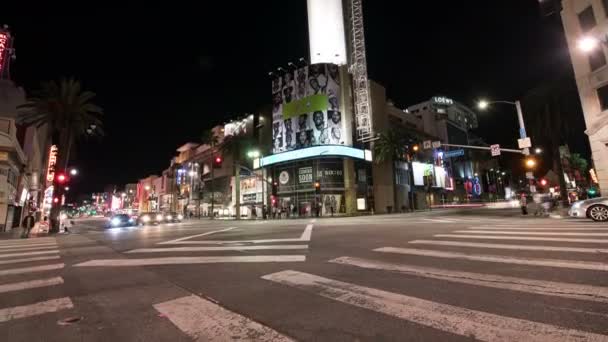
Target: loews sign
{"points": [[50, 170]]}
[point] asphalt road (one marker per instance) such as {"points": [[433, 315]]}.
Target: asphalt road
{"points": [[442, 276]]}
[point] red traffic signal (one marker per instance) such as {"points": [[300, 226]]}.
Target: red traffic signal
{"points": [[543, 182], [61, 178], [55, 200], [218, 159], [217, 162]]}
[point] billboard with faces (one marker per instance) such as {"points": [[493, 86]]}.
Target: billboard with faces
{"points": [[306, 108]]}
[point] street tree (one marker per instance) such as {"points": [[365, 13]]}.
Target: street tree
{"points": [[70, 114], [236, 147]]}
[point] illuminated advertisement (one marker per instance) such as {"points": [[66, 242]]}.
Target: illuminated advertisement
{"points": [[239, 128], [5, 40], [326, 31], [50, 170], [306, 108]]}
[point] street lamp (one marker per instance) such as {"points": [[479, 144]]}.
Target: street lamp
{"points": [[147, 187], [73, 172], [588, 44], [538, 150], [485, 104], [530, 163], [253, 154]]}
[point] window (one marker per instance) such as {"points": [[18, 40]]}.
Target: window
{"points": [[597, 59], [602, 94], [605, 3], [587, 19]]}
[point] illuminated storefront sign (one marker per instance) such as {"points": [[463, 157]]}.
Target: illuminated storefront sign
{"points": [[442, 100], [4, 45], [50, 170], [326, 32], [316, 151]]}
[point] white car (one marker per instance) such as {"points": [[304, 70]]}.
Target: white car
{"points": [[595, 209]]}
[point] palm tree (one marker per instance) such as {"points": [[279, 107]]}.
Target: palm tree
{"points": [[391, 147], [209, 138], [69, 114]]}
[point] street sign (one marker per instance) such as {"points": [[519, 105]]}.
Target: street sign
{"points": [[529, 175], [524, 143], [426, 144], [454, 153], [495, 150], [436, 144]]}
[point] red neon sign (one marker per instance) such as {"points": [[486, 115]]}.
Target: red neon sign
{"points": [[50, 170], [4, 37]]}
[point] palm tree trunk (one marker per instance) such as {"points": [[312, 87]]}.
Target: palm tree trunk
{"points": [[237, 190]]}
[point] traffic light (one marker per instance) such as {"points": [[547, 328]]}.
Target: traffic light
{"points": [[61, 178], [415, 148], [317, 187], [217, 162], [543, 182]]}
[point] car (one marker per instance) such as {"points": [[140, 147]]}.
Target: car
{"points": [[121, 220], [595, 209], [173, 217], [150, 218]]}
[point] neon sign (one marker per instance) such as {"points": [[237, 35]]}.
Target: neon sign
{"points": [[4, 37], [50, 170]]}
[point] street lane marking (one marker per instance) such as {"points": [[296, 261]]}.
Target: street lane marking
{"points": [[512, 247], [31, 269], [474, 324], [27, 253], [440, 220], [191, 260], [523, 238], [18, 261], [548, 288], [33, 245], [206, 321], [26, 241], [215, 249], [35, 309], [194, 236], [536, 228], [581, 265], [27, 249], [306, 236], [32, 284], [527, 233]]}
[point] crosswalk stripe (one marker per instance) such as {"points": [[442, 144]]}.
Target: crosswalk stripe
{"points": [[32, 284], [180, 240], [452, 319], [440, 220], [28, 253], [26, 241], [31, 269], [204, 320], [536, 228], [215, 249], [35, 309], [27, 249], [528, 233], [512, 247], [19, 261], [523, 238], [33, 245], [566, 290], [191, 260], [581, 265]]}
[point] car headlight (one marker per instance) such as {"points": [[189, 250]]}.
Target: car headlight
{"points": [[577, 205], [63, 216], [115, 221], [146, 218], [159, 217], [180, 217], [131, 220], [169, 217]]}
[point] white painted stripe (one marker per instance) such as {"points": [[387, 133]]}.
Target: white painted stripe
{"points": [[206, 321], [452, 319], [439, 221], [523, 238], [306, 235], [548, 288], [581, 265], [35, 309], [511, 247], [19, 261], [32, 284], [527, 233], [31, 269], [215, 249], [33, 245], [27, 253], [27, 249], [26, 241], [536, 228], [194, 236], [192, 260]]}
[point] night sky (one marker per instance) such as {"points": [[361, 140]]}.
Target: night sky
{"points": [[163, 74]]}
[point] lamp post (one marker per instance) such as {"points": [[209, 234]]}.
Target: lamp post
{"points": [[483, 105]]}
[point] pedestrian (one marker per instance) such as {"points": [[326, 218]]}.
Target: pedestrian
{"points": [[331, 209], [523, 202], [28, 224], [191, 214]]}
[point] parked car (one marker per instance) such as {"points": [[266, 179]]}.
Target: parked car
{"points": [[595, 209], [121, 220], [173, 217], [150, 218]]}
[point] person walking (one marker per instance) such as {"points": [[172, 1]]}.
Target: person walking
{"points": [[28, 224], [523, 203]]}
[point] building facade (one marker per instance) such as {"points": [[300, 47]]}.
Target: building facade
{"points": [[588, 19]]}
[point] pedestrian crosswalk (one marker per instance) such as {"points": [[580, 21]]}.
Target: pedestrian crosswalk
{"points": [[172, 252], [32, 264], [557, 250]]}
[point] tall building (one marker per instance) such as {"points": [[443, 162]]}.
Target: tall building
{"points": [[586, 27]]}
